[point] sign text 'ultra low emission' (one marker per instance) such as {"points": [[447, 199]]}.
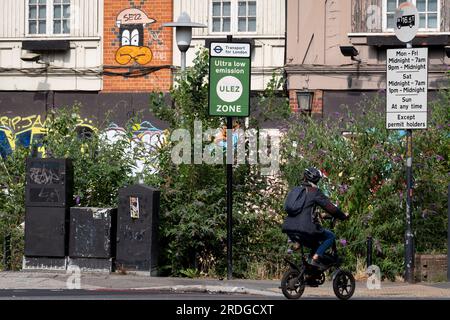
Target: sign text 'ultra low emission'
{"points": [[229, 79]]}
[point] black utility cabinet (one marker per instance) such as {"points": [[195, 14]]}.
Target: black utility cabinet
{"points": [[49, 183], [45, 231], [92, 232], [48, 196], [137, 229]]}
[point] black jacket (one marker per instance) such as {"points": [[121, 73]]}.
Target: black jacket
{"points": [[307, 221]]}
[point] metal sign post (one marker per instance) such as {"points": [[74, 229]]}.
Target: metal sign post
{"points": [[229, 198], [229, 96], [409, 235], [448, 233], [406, 104]]}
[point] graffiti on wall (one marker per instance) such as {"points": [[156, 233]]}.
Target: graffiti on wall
{"points": [[23, 131], [30, 131], [132, 49], [144, 135]]}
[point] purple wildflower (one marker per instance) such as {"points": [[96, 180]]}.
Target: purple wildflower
{"points": [[343, 242], [77, 200], [343, 188], [439, 158]]}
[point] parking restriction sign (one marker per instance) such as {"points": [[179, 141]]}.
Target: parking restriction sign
{"points": [[407, 88]]}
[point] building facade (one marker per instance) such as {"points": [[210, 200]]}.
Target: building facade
{"points": [[321, 79], [106, 55], [262, 22]]}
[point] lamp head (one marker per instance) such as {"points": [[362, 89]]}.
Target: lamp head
{"points": [[183, 33], [183, 38]]}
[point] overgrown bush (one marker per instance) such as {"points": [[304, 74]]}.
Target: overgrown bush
{"points": [[101, 166], [12, 205], [100, 169], [193, 196], [366, 176]]}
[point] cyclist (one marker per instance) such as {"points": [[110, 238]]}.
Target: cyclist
{"points": [[307, 225]]}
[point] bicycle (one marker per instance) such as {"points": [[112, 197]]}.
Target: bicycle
{"points": [[295, 280]]}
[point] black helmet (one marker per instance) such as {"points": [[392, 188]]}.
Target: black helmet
{"points": [[313, 175]]}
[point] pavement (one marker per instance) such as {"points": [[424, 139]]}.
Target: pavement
{"points": [[114, 282]]}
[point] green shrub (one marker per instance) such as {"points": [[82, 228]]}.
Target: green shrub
{"points": [[100, 169], [193, 196], [366, 176], [12, 204]]}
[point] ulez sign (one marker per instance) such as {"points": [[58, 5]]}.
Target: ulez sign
{"points": [[407, 89], [229, 79]]}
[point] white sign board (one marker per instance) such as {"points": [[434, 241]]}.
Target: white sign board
{"points": [[230, 50], [406, 22], [407, 89]]}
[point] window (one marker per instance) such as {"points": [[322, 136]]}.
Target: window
{"points": [[233, 16], [37, 17], [221, 13], [247, 16], [428, 14], [429, 11], [61, 16], [48, 17]]}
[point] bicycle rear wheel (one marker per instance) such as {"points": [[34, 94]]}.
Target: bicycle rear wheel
{"points": [[292, 284], [344, 285]]}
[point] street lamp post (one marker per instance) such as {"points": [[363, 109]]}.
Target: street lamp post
{"points": [[183, 34]]}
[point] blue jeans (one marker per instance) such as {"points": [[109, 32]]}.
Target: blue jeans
{"points": [[326, 241]]}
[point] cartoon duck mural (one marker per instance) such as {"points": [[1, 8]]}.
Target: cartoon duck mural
{"points": [[131, 23]]}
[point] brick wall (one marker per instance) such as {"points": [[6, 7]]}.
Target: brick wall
{"points": [[293, 103], [430, 268], [150, 46]]}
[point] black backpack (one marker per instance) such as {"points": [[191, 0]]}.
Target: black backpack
{"points": [[295, 201]]}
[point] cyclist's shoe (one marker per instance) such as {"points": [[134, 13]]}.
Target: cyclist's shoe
{"points": [[317, 263]]}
